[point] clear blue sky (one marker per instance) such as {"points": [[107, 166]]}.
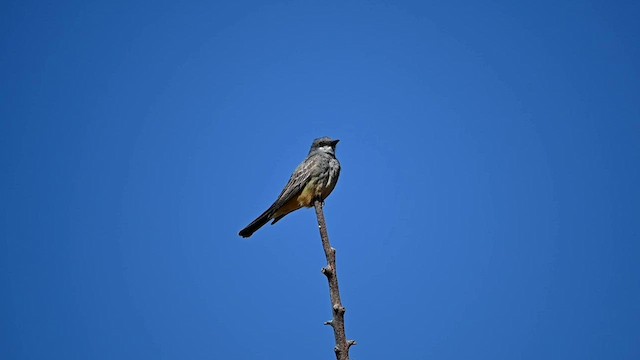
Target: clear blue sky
{"points": [[488, 206]]}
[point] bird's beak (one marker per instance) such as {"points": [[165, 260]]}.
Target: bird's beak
{"points": [[334, 142]]}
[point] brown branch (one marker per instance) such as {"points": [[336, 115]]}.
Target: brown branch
{"points": [[330, 271]]}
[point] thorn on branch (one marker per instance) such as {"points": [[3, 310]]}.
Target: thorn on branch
{"points": [[350, 343], [327, 271], [330, 323], [339, 309]]}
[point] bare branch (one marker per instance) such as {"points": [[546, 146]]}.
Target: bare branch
{"points": [[330, 271]]}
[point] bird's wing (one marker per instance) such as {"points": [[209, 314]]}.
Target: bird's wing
{"points": [[297, 182]]}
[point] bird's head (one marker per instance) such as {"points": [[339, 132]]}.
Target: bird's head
{"points": [[324, 144]]}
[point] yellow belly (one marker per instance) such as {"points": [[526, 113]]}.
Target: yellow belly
{"points": [[308, 195]]}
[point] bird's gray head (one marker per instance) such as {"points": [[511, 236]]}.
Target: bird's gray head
{"points": [[324, 144]]}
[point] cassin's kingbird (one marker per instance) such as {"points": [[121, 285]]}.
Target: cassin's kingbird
{"points": [[314, 179]]}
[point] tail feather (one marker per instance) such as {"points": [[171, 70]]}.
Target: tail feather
{"points": [[256, 224]]}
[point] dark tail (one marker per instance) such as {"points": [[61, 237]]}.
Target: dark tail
{"points": [[256, 224]]}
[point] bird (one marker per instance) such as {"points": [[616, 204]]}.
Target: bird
{"points": [[314, 179]]}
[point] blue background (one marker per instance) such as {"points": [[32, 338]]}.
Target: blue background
{"points": [[488, 206]]}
